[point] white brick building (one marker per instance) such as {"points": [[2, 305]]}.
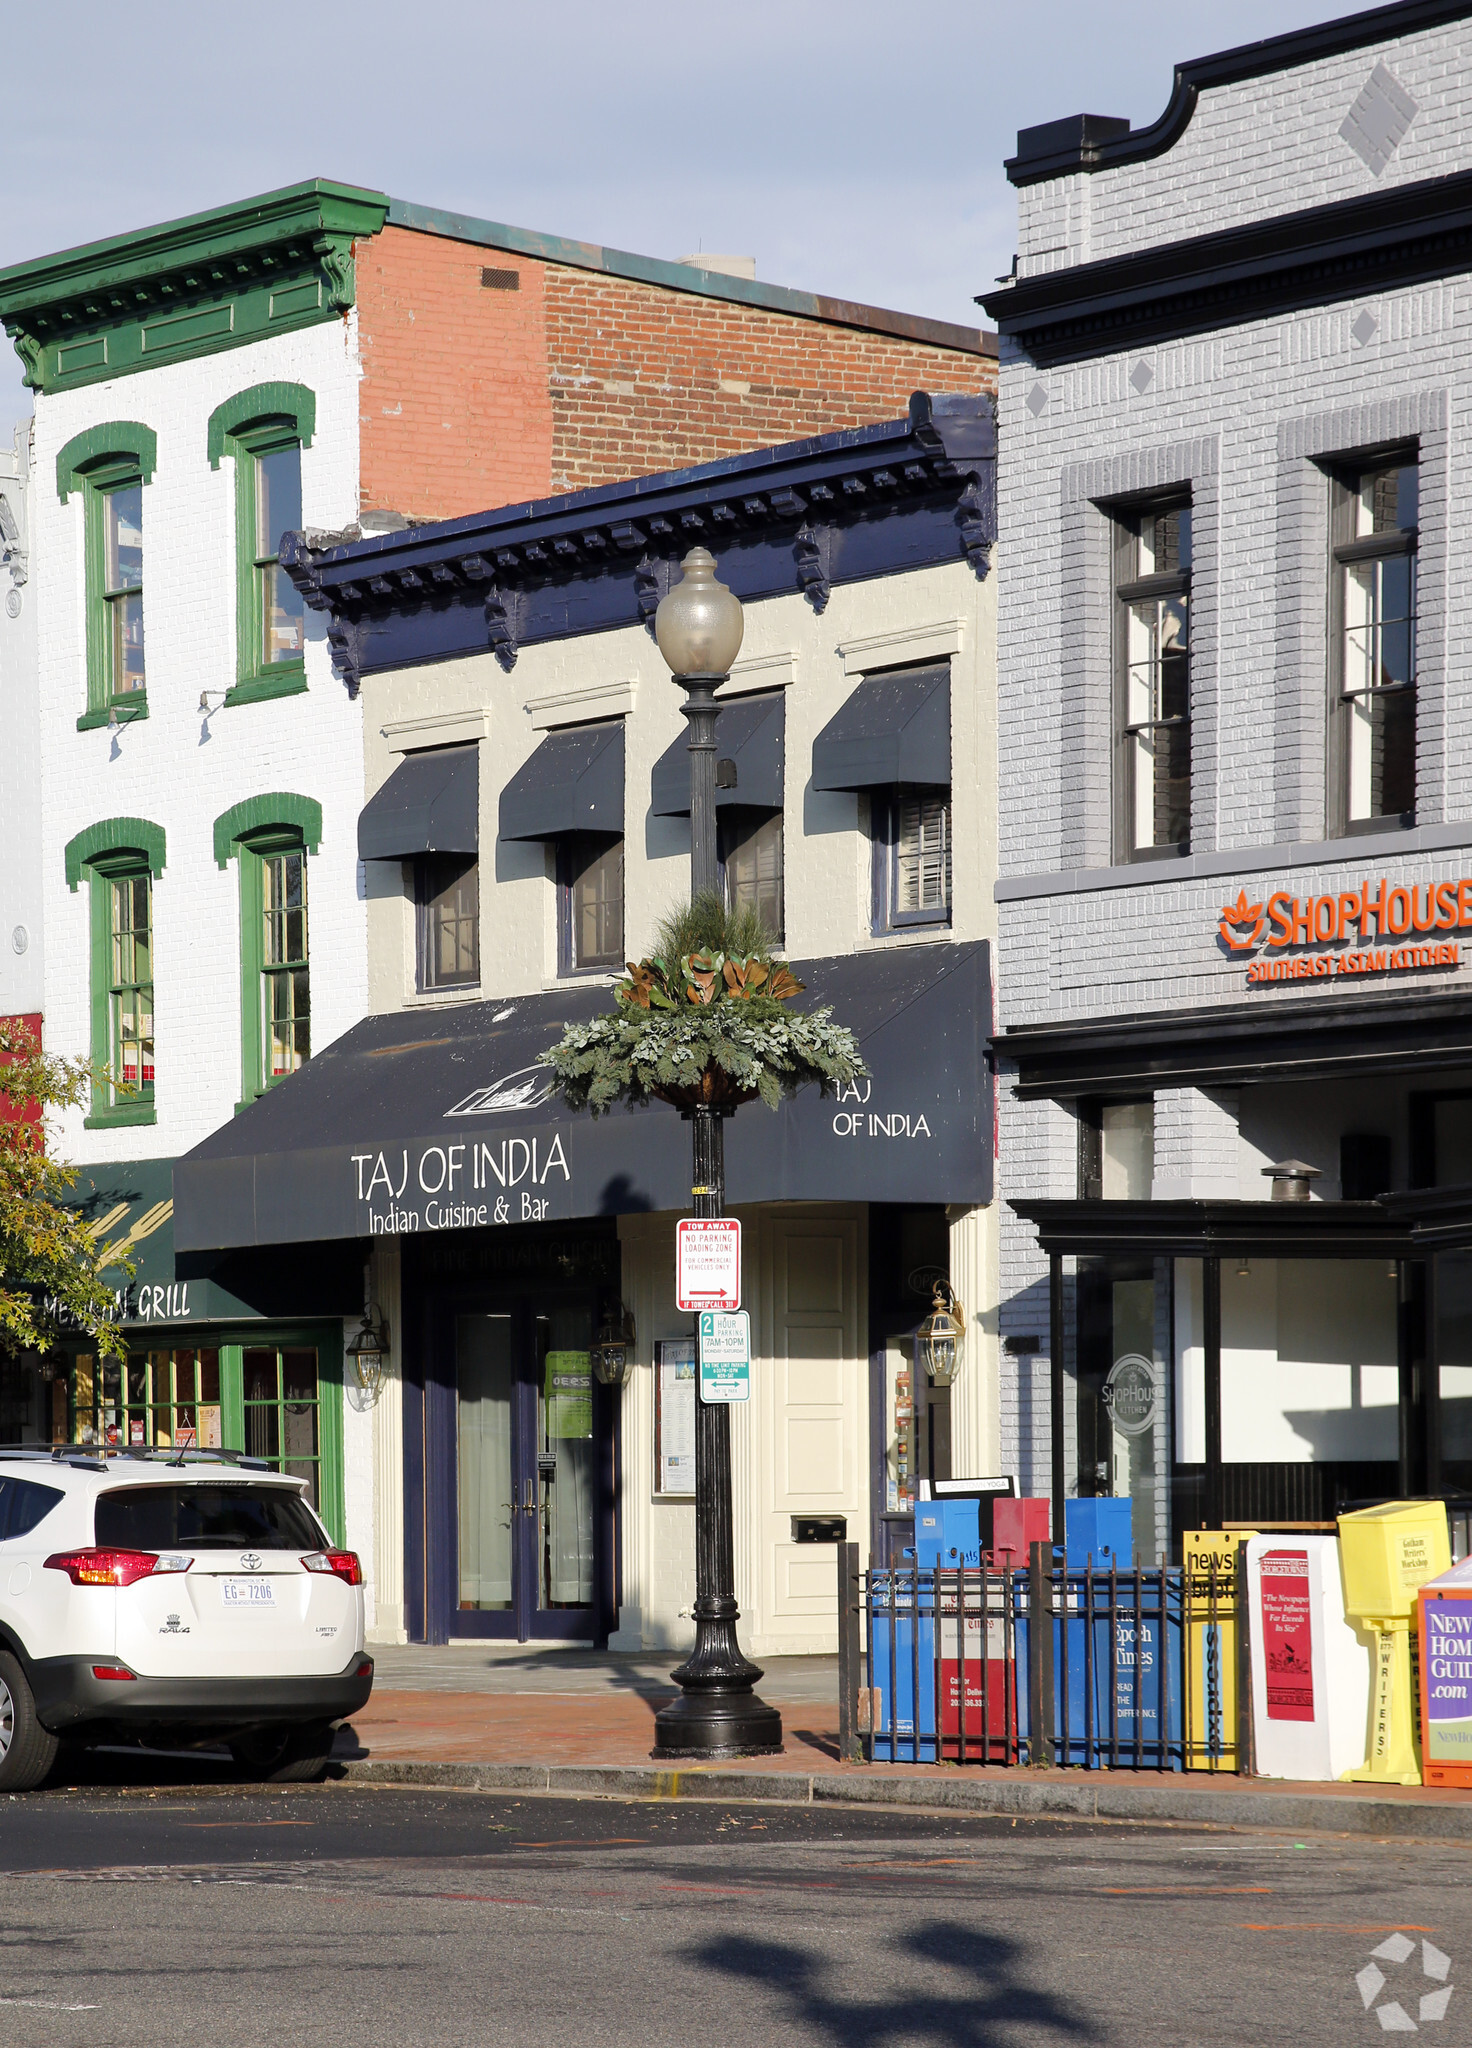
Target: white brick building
{"points": [[1234, 396]]}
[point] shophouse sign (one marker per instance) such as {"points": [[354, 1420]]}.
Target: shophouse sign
{"points": [[1379, 928]]}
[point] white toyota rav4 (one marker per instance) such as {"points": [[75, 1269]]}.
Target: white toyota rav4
{"points": [[180, 1598]]}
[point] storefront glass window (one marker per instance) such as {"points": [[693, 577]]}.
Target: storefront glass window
{"points": [[150, 1400], [281, 1412], [1454, 1366], [487, 1502], [1127, 1150], [1122, 1390]]}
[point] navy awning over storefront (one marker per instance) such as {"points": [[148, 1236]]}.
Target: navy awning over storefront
{"points": [[430, 804], [574, 782], [750, 733], [894, 728], [441, 1120]]}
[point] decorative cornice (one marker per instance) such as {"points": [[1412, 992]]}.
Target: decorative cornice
{"points": [[435, 729], [804, 517], [190, 287], [1316, 257], [1096, 142]]}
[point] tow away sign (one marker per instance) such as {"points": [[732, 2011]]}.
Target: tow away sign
{"points": [[707, 1263], [725, 1355]]}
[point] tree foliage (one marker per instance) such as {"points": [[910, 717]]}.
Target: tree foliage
{"points": [[704, 1018], [50, 1261]]}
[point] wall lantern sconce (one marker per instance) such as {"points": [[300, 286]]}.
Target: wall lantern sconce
{"points": [[938, 1339], [613, 1354], [366, 1350]]}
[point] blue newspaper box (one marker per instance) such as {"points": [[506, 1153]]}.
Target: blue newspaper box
{"points": [[948, 1533], [1099, 1533], [902, 1660]]}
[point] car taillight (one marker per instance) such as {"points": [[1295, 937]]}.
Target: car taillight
{"points": [[115, 1567], [343, 1564]]}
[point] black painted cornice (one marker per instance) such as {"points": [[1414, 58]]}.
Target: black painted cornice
{"points": [[1204, 1229], [801, 517], [1319, 256], [1094, 142]]}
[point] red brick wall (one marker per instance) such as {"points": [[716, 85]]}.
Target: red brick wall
{"points": [[473, 397], [644, 379], [453, 403]]}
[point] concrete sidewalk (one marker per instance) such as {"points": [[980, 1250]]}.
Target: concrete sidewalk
{"points": [[575, 1721]]}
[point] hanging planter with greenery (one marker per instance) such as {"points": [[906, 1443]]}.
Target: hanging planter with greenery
{"points": [[705, 1019]]}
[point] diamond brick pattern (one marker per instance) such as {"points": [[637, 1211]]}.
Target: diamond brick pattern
{"points": [[1376, 124]]}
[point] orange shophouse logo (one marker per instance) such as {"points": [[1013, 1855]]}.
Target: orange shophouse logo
{"points": [[1379, 928]]}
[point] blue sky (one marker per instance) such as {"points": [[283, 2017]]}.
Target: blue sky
{"points": [[852, 148]]}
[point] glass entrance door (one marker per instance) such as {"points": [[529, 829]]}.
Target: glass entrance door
{"points": [[527, 1464]]}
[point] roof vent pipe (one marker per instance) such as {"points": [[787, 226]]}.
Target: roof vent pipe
{"points": [[1290, 1179]]}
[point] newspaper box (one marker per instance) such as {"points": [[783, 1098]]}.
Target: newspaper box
{"points": [[1388, 1554], [1445, 1641], [1016, 1526], [902, 1663], [1310, 1667], [1210, 1560]]}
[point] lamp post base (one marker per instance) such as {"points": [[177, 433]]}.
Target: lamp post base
{"points": [[705, 1725]]}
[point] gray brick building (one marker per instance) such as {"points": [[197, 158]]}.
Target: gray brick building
{"points": [[1235, 910]]}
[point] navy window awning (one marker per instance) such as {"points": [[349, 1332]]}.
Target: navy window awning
{"points": [[752, 733], [574, 782], [894, 728], [430, 804]]}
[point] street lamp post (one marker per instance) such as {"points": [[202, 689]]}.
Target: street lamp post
{"points": [[698, 627]]}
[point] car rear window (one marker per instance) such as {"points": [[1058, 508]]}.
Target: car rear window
{"points": [[221, 1516], [23, 1505]]}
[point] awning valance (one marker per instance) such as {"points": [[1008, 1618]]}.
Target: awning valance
{"points": [[430, 804], [441, 1120], [574, 782], [894, 728], [750, 733], [1220, 1228]]}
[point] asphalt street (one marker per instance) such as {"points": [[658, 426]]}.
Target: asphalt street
{"points": [[335, 1914]]}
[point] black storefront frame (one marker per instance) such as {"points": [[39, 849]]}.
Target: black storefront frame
{"points": [[493, 1273], [1213, 1230]]}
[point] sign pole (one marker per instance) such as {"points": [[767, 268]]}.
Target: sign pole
{"points": [[717, 1713]]}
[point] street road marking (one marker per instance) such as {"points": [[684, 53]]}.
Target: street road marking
{"points": [[1173, 1891], [250, 1823], [1329, 1927], [49, 2005]]}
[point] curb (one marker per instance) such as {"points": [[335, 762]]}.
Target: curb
{"points": [[1322, 1812]]}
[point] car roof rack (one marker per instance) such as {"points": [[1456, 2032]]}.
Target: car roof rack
{"points": [[99, 1457]]}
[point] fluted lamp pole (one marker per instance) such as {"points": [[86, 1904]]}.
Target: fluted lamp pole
{"points": [[698, 626]]}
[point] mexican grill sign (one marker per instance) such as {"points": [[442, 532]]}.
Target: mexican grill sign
{"points": [[1378, 928]]}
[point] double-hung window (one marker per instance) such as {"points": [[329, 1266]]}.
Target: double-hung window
{"points": [[749, 842], [265, 430], [590, 893], [272, 838], [1152, 690], [119, 859], [1373, 711], [129, 912], [110, 467], [911, 829], [447, 888]]}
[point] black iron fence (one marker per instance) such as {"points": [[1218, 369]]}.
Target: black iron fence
{"points": [[1137, 1668]]}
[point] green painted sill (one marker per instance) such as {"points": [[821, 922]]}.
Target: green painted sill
{"points": [[287, 680], [120, 1114], [129, 712]]}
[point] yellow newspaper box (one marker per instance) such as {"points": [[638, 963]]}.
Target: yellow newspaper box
{"points": [[1387, 1555], [1210, 1560]]}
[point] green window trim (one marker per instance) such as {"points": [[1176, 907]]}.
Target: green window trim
{"points": [[116, 443], [251, 832], [327, 1339], [104, 868], [264, 421], [261, 813], [135, 836], [291, 404]]}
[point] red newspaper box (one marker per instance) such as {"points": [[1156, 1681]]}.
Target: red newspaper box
{"points": [[1016, 1526]]}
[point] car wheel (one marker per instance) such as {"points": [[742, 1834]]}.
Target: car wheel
{"points": [[27, 1750], [285, 1756]]}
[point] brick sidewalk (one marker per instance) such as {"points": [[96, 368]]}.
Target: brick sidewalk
{"points": [[616, 1730]]}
